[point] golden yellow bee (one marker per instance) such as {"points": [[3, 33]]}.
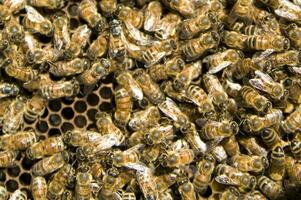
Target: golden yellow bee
{"points": [[293, 33], [8, 89], [246, 163], [73, 67], [146, 181], [252, 146], [39, 188], [18, 195], [14, 30], [246, 29], [60, 89], [13, 116], [231, 88], [88, 12], [167, 26], [168, 88], [133, 16], [49, 4], [185, 8], [187, 192], [98, 47], [35, 84], [271, 138], [231, 145], [296, 149], [97, 171], [293, 169], [61, 34], [145, 118], [78, 41], [18, 141], [292, 122], [276, 169], [205, 169], [269, 188], [192, 26], [36, 23], [136, 137], [151, 153], [79, 138], [35, 107], [194, 140], [108, 7], [228, 175], [214, 129], [264, 42], [253, 99], [4, 104], [187, 75], [290, 58], [218, 61], [83, 185], [3, 193], [126, 80], [59, 181], [21, 73], [167, 70], [235, 40], [124, 106], [171, 110], [159, 134], [150, 88], [5, 14], [178, 158], [8, 158], [117, 42], [153, 14], [127, 157], [194, 48], [46, 147], [50, 164]]}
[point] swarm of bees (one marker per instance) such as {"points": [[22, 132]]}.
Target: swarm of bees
{"points": [[207, 98]]}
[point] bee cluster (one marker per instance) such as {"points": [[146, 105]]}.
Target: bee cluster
{"points": [[155, 100]]}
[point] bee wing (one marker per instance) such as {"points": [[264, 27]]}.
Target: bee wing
{"points": [[138, 166], [219, 67], [169, 108], [286, 14], [15, 5], [263, 76], [297, 70], [225, 180], [263, 55], [107, 141], [234, 86], [137, 35], [257, 83], [30, 41], [33, 15]]}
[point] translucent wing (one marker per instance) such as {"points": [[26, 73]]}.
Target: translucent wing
{"points": [[136, 90], [223, 179], [297, 70], [107, 141], [257, 83], [234, 86], [263, 55], [220, 67], [30, 41], [264, 77], [170, 109], [15, 5], [140, 38], [286, 14], [33, 15], [138, 166]]}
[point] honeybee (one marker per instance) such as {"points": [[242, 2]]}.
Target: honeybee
{"points": [[59, 181], [187, 192], [190, 27], [8, 158], [3, 193], [276, 169], [18, 195], [60, 89], [150, 88], [130, 15], [246, 29], [269, 188], [5, 14], [252, 146], [246, 163], [230, 193], [8, 89], [171, 110], [231, 88], [228, 175], [73, 67], [178, 158], [264, 42], [167, 26], [14, 30], [79, 138], [123, 106], [18, 141], [98, 47], [169, 90], [105, 125], [290, 58], [271, 138], [83, 185], [194, 48], [235, 40], [158, 50], [79, 40], [221, 60], [170, 69], [205, 169], [61, 34], [147, 183], [165, 181], [117, 42], [194, 140], [97, 171], [293, 32], [150, 154], [255, 123], [50, 164], [35, 107], [137, 137], [124, 158], [253, 99], [35, 84], [13, 116], [288, 10], [214, 129], [153, 14], [293, 169], [185, 8], [145, 118], [215, 90], [88, 12], [296, 149], [126, 80], [36, 23], [21, 73], [109, 7], [187, 75], [39, 188], [292, 122], [231, 145], [49, 146], [49, 4], [4, 104], [159, 134]]}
